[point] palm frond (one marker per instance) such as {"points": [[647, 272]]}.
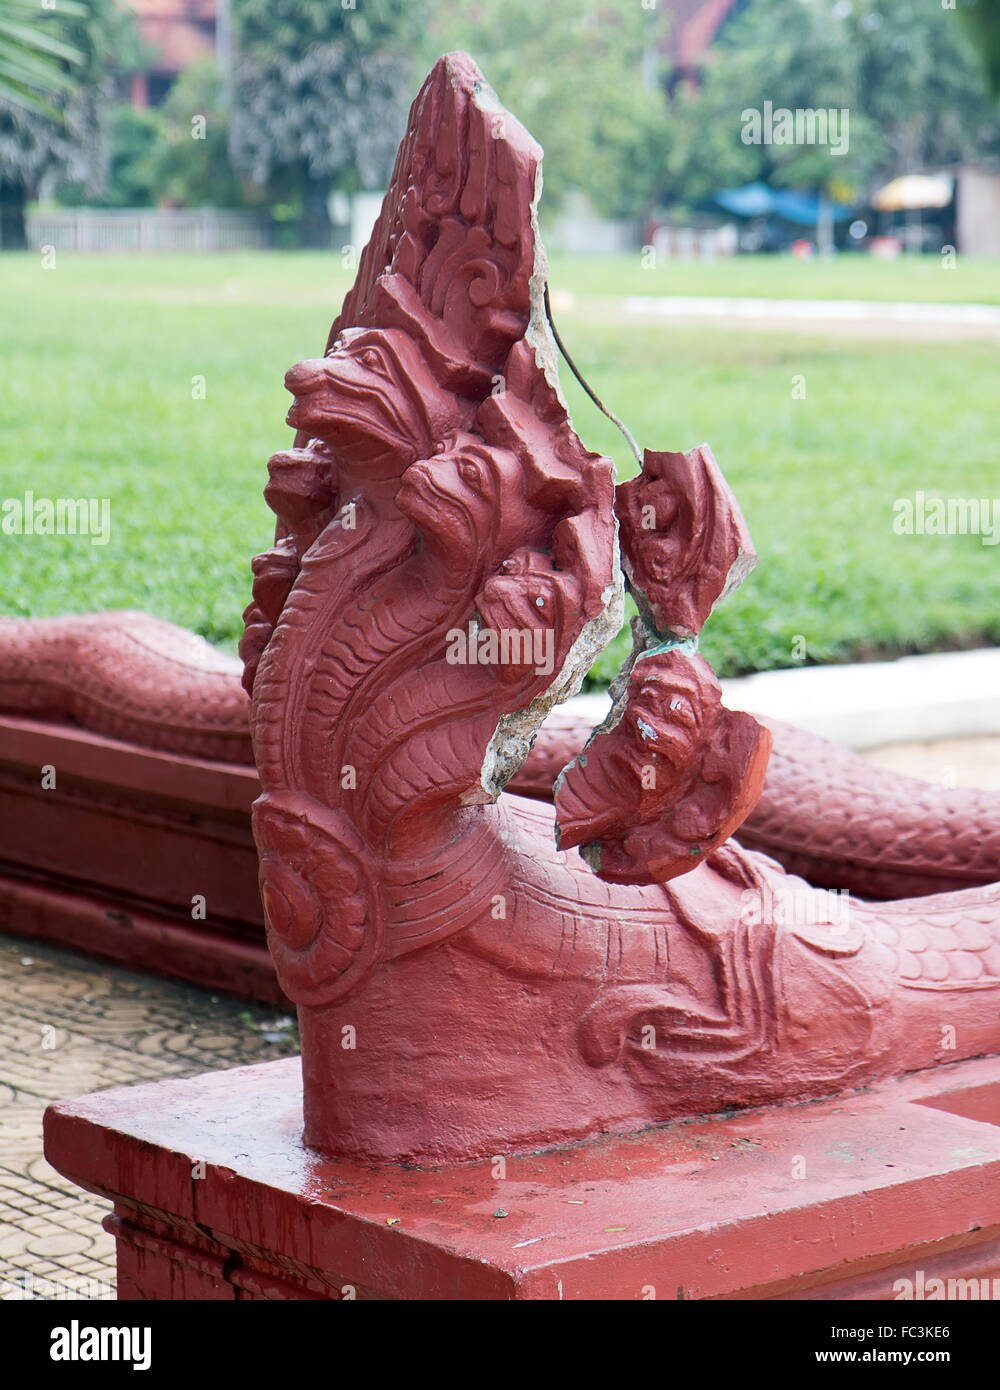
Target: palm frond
{"points": [[34, 61]]}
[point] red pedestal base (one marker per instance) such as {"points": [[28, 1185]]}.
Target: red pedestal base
{"points": [[216, 1198]]}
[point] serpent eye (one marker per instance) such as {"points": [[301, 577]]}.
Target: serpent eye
{"points": [[470, 473], [370, 358], [682, 710]]}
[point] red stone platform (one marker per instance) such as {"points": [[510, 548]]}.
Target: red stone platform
{"points": [[216, 1198]]}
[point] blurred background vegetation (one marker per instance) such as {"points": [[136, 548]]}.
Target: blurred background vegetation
{"points": [[274, 104], [282, 107]]}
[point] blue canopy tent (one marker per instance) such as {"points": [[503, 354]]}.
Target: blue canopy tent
{"points": [[804, 209], [752, 200], [757, 200]]}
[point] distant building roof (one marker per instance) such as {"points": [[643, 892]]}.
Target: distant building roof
{"points": [[178, 30], [695, 25]]}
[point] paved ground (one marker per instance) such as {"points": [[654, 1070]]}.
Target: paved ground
{"points": [[70, 1025], [965, 762], [841, 318]]}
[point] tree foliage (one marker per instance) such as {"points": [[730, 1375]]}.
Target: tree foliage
{"points": [[320, 93], [903, 70], [132, 171], [192, 167], [34, 56], [69, 135], [982, 22], [69, 132]]}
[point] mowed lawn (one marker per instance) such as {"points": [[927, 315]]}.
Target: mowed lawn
{"points": [[99, 357], [923, 279]]}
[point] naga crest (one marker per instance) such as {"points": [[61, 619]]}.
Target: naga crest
{"points": [[446, 565]]}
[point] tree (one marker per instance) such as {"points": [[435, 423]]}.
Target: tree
{"points": [[582, 77], [982, 22], [782, 51], [192, 167], [320, 93], [921, 84], [134, 143], [902, 69], [57, 124]]}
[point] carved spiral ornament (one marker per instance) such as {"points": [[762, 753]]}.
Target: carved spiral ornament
{"points": [[322, 904]]}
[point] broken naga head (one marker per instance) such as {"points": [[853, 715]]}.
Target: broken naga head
{"points": [[668, 777]]}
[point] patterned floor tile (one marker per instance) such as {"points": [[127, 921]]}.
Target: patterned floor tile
{"points": [[69, 1025]]}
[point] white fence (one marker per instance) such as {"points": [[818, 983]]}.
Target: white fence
{"points": [[145, 229], [591, 236], [678, 243]]}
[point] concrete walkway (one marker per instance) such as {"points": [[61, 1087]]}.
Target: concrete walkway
{"points": [[931, 319], [950, 762]]}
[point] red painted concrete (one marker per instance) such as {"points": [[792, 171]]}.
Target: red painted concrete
{"points": [[889, 1182], [864, 837], [825, 812], [500, 994], [833, 817], [128, 676], [670, 781], [685, 544], [110, 859], [114, 928]]}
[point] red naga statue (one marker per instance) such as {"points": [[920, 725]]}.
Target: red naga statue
{"points": [[446, 566]]}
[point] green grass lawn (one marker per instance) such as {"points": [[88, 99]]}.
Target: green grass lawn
{"points": [[98, 357], [913, 278]]}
